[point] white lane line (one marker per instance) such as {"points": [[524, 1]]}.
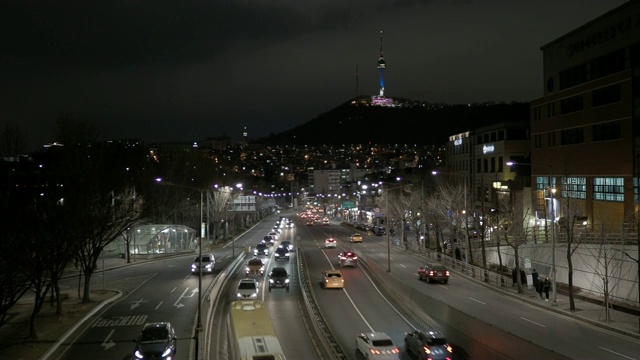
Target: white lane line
{"points": [[160, 304], [476, 300], [533, 322], [174, 289], [613, 352], [403, 266], [358, 310]]}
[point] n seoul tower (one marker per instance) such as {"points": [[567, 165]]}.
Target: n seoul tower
{"points": [[381, 64]]}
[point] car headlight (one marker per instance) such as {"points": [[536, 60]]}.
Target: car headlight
{"points": [[254, 295], [193, 266], [209, 266], [255, 252], [247, 269], [166, 352], [286, 281], [287, 254], [239, 295], [270, 281], [138, 355]]}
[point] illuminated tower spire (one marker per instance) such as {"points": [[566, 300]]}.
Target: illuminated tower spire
{"points": [[381, 66], [245, 136]]}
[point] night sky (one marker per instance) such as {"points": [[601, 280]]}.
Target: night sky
{"points": [[182, 70]]}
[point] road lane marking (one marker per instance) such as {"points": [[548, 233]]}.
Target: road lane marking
{"points": [[135, 304], [613, 352], [403, 266], [476, 300], [108, 343], [177, 304], [159, 305], [533, 322], [172, 290]]}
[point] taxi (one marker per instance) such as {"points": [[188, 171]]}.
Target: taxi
{"points": [[332, 279], [356, 238]]}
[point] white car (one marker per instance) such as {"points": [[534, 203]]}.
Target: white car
{"points": [[274, 235], [330, 243], [377, 345], [248, 289]]}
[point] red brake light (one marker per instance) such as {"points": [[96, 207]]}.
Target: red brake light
{"points": [[395, 351], [449, 348]]}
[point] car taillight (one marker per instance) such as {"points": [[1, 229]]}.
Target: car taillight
{"points": [[355, 258], [395, 351], [426, 350], [447, 272], [375, 351], [449, 348]]}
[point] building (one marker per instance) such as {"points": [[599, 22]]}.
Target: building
{"points": [[585, 127]]}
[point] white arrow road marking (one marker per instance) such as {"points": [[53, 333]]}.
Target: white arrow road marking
{"points": [[108, 343], [177, 304], [135, 304]]}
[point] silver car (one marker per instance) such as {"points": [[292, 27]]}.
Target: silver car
{"points": [[207, 263]]}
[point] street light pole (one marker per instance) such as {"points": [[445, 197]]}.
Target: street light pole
{"points": [[386, 220], [199, 327]]}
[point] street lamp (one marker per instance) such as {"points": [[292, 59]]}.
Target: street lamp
{"points": [[201, 191], [386, 220], [553, 238]]}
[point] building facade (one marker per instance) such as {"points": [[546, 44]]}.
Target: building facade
{"points": [[585, 126]]}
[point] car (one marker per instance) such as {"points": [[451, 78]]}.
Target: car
{"points": [[325, 221], [377, 345], [330, 243], [255, 266], [281, 253], [332, 279], [348, 258], [274, 235], [286, 244], [261, 249], [309, 223], [428, 345], [207, 263], [268, 240], [248, 289], [356, 238], [157, 340], [433, 272], [279, 278], [379, 231]]}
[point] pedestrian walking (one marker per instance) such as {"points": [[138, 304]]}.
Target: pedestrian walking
{"points": [[523, 277], [458, 255], [546, 286]]}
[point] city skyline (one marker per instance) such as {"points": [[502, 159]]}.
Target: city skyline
{"points": [[168, 71]]}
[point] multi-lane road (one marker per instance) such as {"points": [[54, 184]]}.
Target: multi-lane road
{"points": [[486, 323]]}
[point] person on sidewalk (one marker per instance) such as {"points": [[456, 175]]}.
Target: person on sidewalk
{"points": [[537, 284], [546, 286]]}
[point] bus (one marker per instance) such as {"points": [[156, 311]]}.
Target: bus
{"points": [[251, 332]]}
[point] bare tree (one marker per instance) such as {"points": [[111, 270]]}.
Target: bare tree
{"points": [[13, 141], [566, 225]]}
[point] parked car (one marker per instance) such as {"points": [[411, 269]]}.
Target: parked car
{"points": [[377, 345], [157, 340], [428, 345], [433, 272], [207, 263], [279, 278]]}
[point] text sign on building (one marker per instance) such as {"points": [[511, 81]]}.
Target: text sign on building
{"points": [[488, 149]]}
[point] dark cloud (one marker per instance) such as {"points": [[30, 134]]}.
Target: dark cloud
{"points": [[183, 70]]}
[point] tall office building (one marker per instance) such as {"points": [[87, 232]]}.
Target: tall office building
{"points": [[585, 129]]}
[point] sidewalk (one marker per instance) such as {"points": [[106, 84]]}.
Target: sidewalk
{"points": [[591, 311]]}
